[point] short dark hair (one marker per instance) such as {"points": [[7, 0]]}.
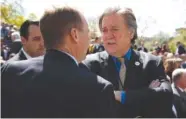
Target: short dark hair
{"points": [[56, 23], [25, 26], [128, 16]]}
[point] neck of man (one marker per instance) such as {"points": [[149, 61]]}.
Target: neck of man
{"points": [[180, 86], [26, 51], [69, 50], [121, 53]]}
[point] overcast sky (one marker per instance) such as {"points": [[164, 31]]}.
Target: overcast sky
{"points": [[160, 15]]}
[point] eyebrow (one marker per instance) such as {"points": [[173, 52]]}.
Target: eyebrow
{"points": [[115, 27], [111, 27]]}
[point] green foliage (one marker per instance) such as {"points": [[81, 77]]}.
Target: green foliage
{"points": [[181, 37], [32, 17], [161, 38], [11, 14]]}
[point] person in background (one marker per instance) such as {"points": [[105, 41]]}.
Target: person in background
{"points": [[164, 49], [183, 65], [32, 41], [96, 46], [180, 49], [178, 87], [142, 47], [4, 31], [170, 65]]}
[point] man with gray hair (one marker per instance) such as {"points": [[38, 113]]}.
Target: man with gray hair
{"points": [[139, 80], [178, 87]]}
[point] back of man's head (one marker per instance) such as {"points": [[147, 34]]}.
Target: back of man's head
{"points": [[57, 23]]}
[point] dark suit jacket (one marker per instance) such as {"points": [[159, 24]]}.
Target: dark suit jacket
{"points": [[140, 99], [179, 101], [54, 87], [19, 56]]}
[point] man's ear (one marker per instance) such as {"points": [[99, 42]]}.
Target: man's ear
{"points": [[132, 34], [74, 34], [23, 40]]}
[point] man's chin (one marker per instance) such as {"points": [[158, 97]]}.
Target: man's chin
{"points": [[111, 52]]}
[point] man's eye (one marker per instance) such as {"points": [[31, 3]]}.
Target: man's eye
{"points": [[115, 29], [104, 30], [37, 38]]}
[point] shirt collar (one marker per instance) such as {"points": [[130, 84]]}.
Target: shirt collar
{"points": [[128, 54], [26, 54], [71, 57]]}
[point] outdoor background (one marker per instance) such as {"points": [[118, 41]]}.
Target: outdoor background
{"points": [[158, 20]]}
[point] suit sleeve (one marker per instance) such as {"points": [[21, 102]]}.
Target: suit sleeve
{"points": [[5, 92], [106, 102], [158, 99]]}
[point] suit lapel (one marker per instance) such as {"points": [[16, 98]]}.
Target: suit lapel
{"points": [[108, 69], [113, 75], [22, 55], [134, 72]]}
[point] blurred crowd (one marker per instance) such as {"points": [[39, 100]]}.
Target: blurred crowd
{"points": [[144, 74], [10, 41]]}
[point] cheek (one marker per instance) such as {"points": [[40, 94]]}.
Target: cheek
{"points": [[28, 44], [123, 39], [86, 41], [185, 81]]}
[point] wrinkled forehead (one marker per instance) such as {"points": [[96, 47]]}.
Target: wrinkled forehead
{"points": [[112, 20]]}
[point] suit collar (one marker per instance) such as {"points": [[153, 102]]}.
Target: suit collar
{"points": [[26, 54], [71, 57], [134, 71], [135, 61], [22, 55], [58, 56]]}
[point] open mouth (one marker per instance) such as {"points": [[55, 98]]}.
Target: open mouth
{"points": [[111, 43]]}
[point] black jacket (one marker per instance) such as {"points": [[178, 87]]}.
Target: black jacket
{"points": [[19, 56], [54, 87], [179, 101], [142, 69]]}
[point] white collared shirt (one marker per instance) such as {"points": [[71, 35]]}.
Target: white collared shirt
{"points": [[26, 54], [71, 57]]}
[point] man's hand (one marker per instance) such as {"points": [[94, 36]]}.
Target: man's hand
{"points": [[155, 83], [117, 95]]}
